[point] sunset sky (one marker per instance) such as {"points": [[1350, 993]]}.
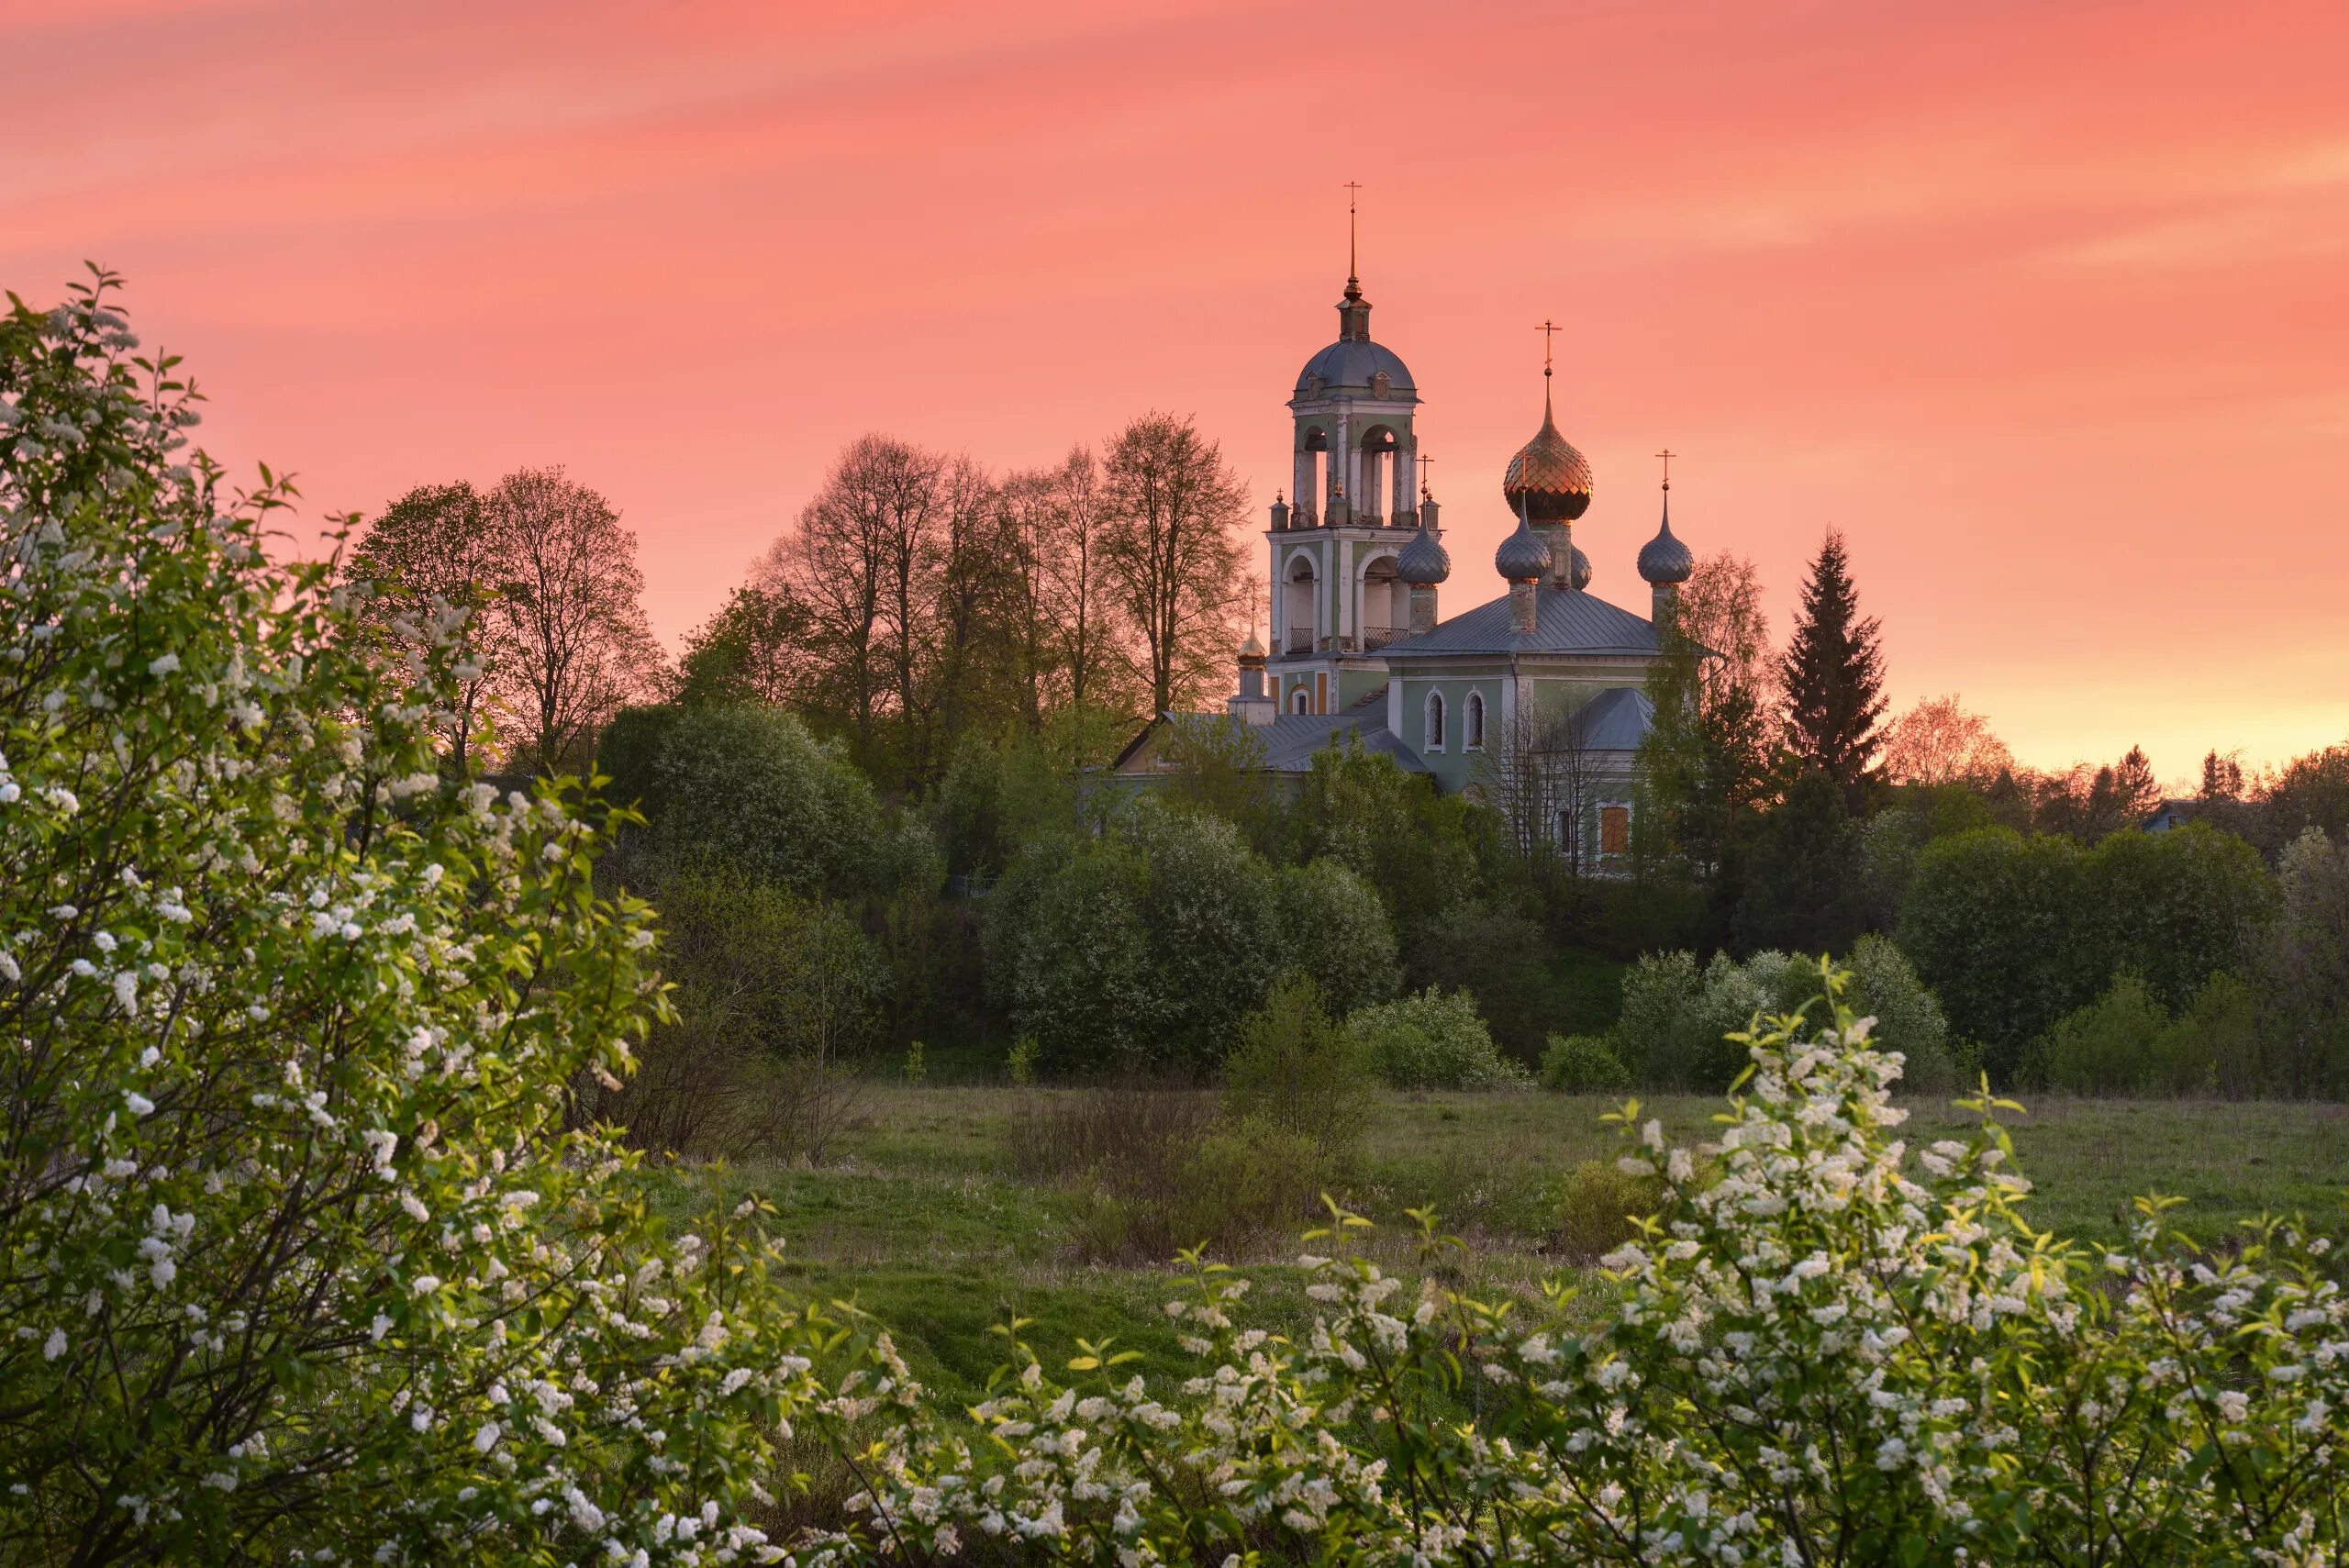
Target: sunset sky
{"points": [[2045, 304]]}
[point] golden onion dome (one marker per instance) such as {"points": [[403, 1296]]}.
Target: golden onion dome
{"points": [[1547, 480]]}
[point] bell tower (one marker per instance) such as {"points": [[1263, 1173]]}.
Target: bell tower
{"points": [[1349, 509]]}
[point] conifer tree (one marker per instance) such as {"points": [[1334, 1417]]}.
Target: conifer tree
{"points": [[1833, 674]]}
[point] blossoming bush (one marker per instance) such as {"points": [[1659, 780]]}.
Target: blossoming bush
{"points": [[297, 1262], [1826, 1347]]}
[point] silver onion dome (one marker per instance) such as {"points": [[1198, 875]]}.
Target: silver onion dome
{"points": [[1578, 570], [1522, 557], [1664, 559], [1424, 560]]}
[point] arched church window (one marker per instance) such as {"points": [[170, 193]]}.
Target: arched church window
{"points": [[1473, 723], [1435, 721], [1300, 699]]}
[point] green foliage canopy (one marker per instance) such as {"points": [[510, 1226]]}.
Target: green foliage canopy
{"points": [[2012, 933]]}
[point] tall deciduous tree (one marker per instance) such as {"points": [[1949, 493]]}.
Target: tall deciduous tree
{"points": [[1833, 674], [979, 630], [431, 554], [572, 599], [1071, 656], [1939, 742], [1173, 555], [857, 558], [1095, 676]]}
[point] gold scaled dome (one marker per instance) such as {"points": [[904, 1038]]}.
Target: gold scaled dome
{"points": [[1547, 480]]}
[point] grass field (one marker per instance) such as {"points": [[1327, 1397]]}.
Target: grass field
{"points": [[919, 1221]]}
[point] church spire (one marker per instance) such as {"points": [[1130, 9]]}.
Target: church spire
{"points": [[1353, 311]]}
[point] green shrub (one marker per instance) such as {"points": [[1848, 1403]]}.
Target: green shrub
{"points": [[750, 789], [775, 1000], [1909, 1018], [1019, 1062], [2177, 908], [1236, 1184], [1148, 943], [1068, 953], [2302, 961], [1298, 1073], [1497, 957], [2013, 933], [1331, 927], [2126, 1042], [1432, 1041], [1675, 1020], [1675, 1016], [1408, 840], [1598, 1209], [627, 747], [1581, 1065]]}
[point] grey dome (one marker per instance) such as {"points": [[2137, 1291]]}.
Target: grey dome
{"points": [[1578, 570], [1664, 559], [1348, 363], [1522, 557], [1424, 560]]}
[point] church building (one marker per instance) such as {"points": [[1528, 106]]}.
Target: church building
{"points": [[1543, 681]]}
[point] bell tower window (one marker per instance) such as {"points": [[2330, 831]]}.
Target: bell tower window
{"points": [[1311, 480], [1300, 617]]}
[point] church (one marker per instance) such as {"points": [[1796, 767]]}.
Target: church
{"points": [[1545, 682]]}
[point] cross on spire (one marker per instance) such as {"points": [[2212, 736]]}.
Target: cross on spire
{"points": [[1667, 454], [1549, 330], [1353, 187], [1425, 462]]}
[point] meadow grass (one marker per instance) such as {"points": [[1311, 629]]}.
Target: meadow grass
{"points": [[920, 1221]]}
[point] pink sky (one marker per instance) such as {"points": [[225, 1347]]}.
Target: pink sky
{"points": [[2042, 304]]}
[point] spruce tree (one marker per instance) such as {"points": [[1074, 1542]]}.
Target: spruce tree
{"points": [[1833, 674]]}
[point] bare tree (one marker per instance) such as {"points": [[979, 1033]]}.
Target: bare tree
{"points": [[1170, 552], [430, 555], [975, 628], [571, 598], [858, 558], [1027, 505], [1092, 659], [1546, 781], [1939, 742]]}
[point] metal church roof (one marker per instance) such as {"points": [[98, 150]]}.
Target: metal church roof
{"points": [[1291, 738], [1566, 621], [1614, 720]]}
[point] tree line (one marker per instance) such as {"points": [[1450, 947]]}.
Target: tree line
{"points": [[958, 644], [917, 597]]}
